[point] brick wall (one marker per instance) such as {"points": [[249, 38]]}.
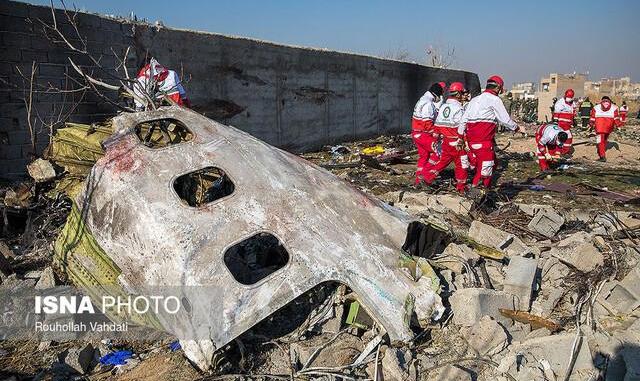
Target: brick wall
{"points": [[296, 98]]}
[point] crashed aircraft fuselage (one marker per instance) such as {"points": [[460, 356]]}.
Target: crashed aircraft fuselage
{"points": [[331, 231]]}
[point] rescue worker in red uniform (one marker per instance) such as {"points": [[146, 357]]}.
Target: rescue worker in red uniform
{"points": [[624, 110], [155, 79], [549, 138], [422, 132], [604, 118], [564, 111], [481, 118], [446, 126]]}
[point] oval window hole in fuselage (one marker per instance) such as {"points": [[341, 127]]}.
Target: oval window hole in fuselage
{"points": [[162, 133], [255, 258], [203, 186]]}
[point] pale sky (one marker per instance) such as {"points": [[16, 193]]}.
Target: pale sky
{"points": [[520, 40]]}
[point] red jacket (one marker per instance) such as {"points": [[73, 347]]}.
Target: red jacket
{"points": [[605, 121], [564, 113]]}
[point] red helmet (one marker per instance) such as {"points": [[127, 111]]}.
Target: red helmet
{"points": [[456, 87], [443, 85], [496, 79], [569, 93]]}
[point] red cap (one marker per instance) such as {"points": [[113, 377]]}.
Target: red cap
{"points": [[496, 79], [443, 85], [456, 87], [569, 93]]}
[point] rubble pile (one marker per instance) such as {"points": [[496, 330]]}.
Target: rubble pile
{"points": [[536, 284]]}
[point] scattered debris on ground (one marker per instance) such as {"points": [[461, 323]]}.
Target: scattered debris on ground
{"points": [[537, 281]]}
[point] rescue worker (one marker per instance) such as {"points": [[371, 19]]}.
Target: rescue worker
{"points": [[422, 132], [481, 118], [585, 112], [604, 118], [155, 79], [447, 123], [549, 140], [624, 110], [563, 113]]}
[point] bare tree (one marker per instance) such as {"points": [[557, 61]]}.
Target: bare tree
{"points": [[87, 73], [441, 57], [398, 53]]}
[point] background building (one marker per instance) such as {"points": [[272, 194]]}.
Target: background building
{"points": [[617, 88], [524, 90], [554, 86]]}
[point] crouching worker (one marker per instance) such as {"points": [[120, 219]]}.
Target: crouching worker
{"points": [[550, 140], [422, 130], [446, 125], [604, 118]]}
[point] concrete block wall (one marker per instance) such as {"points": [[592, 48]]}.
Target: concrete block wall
{"points": [[296, 98]]}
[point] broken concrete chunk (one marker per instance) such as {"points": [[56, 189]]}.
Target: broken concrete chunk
{"points": [[80, 359], [578, 251], [486, 337], [47, 279], [519, 331], [490, 236], [546, 301], [41, 170], [547, 223], [632, 281], [422, 203], [520, 275], [395, 364], [619, 299], [556, 350], [496, 275], [469, 305], [533, 209], [456, 254], [622, 297], [553, 273]]}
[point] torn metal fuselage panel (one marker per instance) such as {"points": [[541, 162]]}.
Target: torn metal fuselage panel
{"points": [[330, 230]]}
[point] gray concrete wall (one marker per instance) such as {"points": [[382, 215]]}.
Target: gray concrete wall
{"points": [[296, 98]]}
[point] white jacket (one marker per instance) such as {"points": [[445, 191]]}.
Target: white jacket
{"points": [[449, 119], [563, 111], [426, 108], [549, 134], [481, 117], [168, 84]]}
